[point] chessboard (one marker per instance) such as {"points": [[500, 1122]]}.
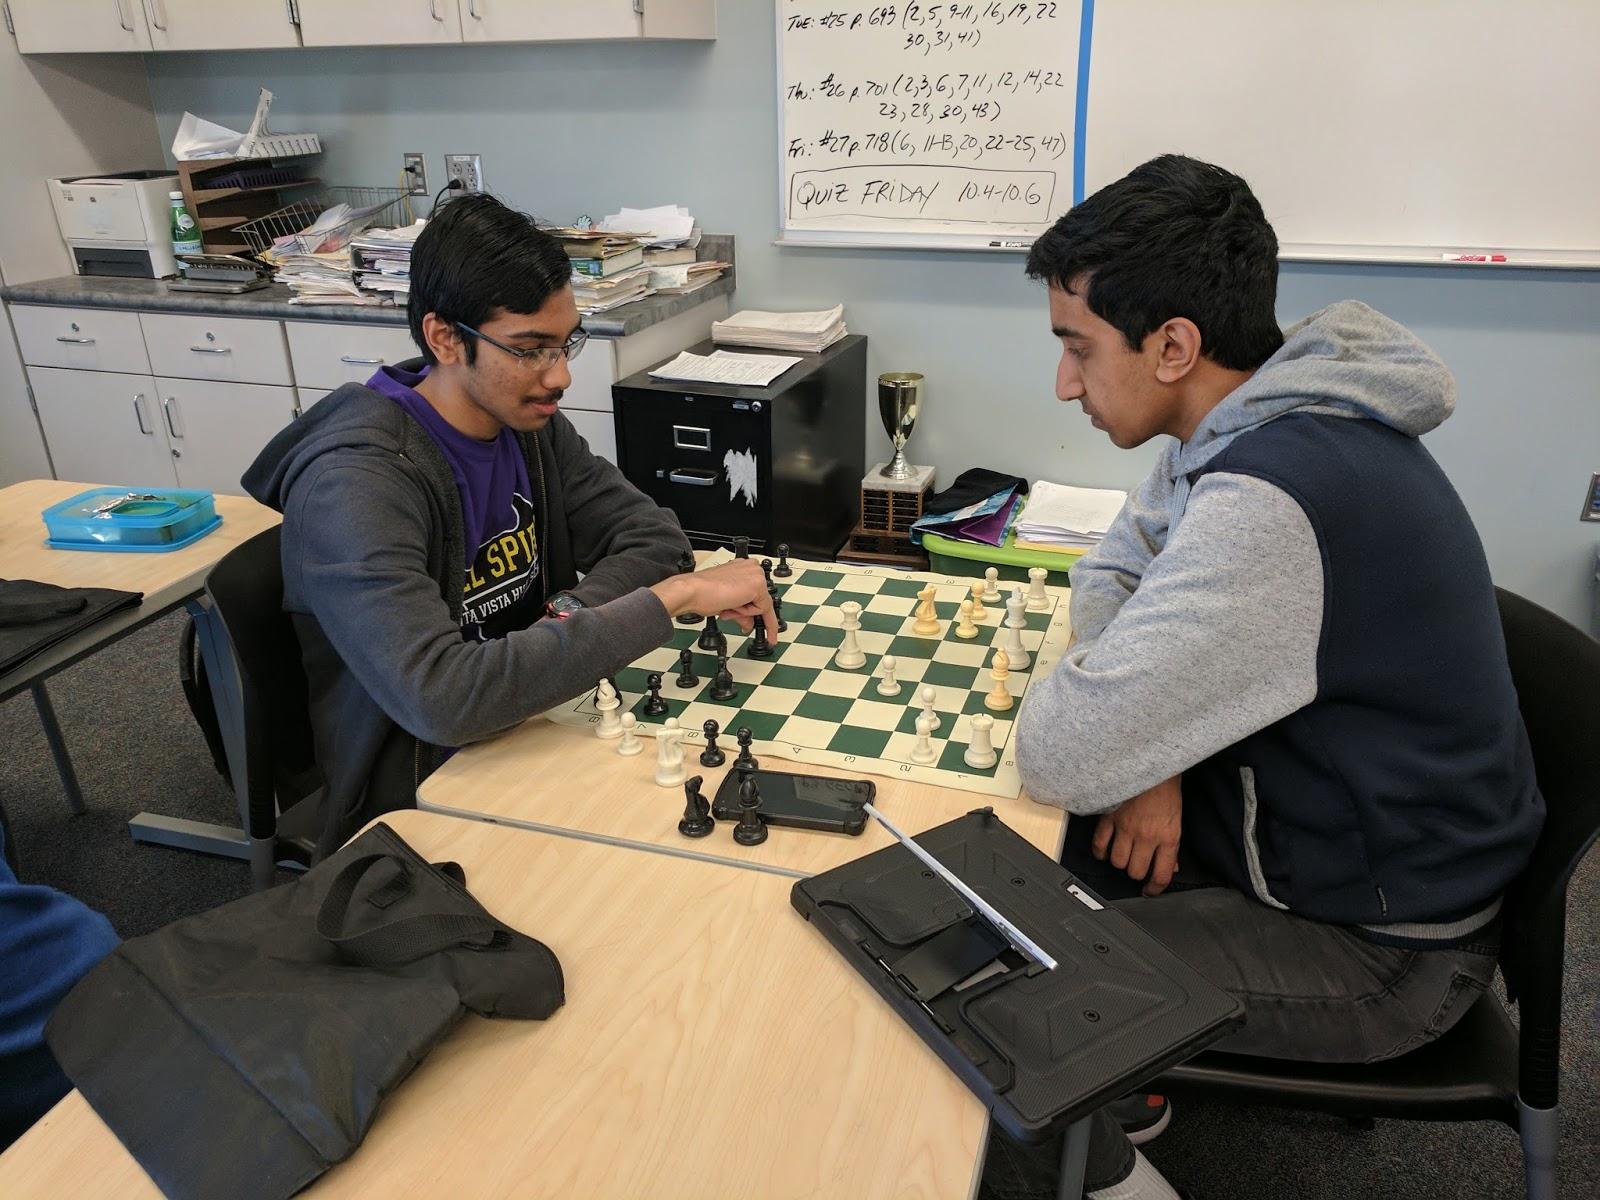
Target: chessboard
{"points": [[802, 708]]}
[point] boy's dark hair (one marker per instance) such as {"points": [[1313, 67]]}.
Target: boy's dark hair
{"points": [[1175, 237], [476, 256]]}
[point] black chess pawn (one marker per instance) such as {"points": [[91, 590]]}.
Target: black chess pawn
{"points": [[655, 706], [685, 567], [711, 635], [746, 760], [751, 829], [760, 647], [722, 682], [712, 755], [777, 611], [783, 570], [686, 676], [741, 547], [766, 569], [697, 819]]}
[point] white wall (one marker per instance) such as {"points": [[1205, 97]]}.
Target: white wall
{"points": [[59, 115], [570, 129]]}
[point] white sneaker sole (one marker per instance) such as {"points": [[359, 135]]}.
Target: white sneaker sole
{"points": [[1154, 1131]]}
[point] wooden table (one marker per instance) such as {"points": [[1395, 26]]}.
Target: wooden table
{"points": [[558, 779], [712, 1045], [167, 581]]}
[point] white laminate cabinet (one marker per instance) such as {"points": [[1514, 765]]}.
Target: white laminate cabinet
{"points": [[71, 26], [326, 354], [379, 22], [234, 349], [598, 429], [217, 429], [561, 20], [84, 339], [219, 24], [103, 426]]}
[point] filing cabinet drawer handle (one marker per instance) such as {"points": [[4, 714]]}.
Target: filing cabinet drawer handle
{"points": [[76, 341], [360, 362], [210, 349], [138, 414], [694, 477], [690, 437], [433, 9], [166, 407]]}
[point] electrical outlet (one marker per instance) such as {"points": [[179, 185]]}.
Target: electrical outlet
{"points": [[468, 168], [416, 174], [1591, 500]]}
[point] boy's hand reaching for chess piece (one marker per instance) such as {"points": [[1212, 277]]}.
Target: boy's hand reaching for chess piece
{"points": [[735, 591]]}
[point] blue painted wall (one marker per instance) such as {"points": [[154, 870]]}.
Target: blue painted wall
{"points": [[570, 129]]}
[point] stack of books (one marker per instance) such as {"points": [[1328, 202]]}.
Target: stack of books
{"points": [[381, 260], [608, 270], [1063, 518], [808, 332]]}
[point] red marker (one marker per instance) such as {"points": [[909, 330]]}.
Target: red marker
{"points": [[1483, 258]]}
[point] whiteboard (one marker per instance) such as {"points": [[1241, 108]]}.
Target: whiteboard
{"points": [[1371, 130]]}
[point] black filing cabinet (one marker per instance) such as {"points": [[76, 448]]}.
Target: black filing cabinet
{"points": [[779, 464]]}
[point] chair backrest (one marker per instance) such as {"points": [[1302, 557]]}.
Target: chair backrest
{"points": [[246, 593], [1556, 670]]}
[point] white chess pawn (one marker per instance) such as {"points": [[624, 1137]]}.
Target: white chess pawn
{"points": [[607, 701], [980, 750], [999, 699], [979, 612], [631, 742], [964, 627], [1009, 638], [923, 752], [1038, 598], [926, 696], [991, 586], [850, 656], [927, 624], [888, 685], [669, 754]]}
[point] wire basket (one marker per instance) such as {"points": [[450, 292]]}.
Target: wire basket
{"points": [[285, 230]]}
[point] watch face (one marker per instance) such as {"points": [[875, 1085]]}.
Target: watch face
{"points": [[564, 604]]}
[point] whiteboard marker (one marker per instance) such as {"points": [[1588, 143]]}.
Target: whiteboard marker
{"points": [[1483, 258]]}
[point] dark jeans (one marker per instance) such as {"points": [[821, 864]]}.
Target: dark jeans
{"points": [[1310, 991]]}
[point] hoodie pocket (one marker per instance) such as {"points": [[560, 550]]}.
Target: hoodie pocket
{"points": [[1252, 848]]}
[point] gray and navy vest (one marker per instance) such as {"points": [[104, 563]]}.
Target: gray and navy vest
{"points": [[1402, 799]]}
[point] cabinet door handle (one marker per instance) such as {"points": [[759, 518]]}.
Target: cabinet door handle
{"points": [[122, 19], [138, 414], [433, 9], [694, 477], [210, 349], [472, 10], [76, 341], [166, 406], [360, 362], [690, 437], [155, 7]]}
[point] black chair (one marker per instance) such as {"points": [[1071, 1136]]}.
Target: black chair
{"points": [[1482, 1069], [12, 860], [253, 659]]}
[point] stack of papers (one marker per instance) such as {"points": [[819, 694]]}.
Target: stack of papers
{"points": [[679, 279], [601, 295], [722, 366], [1060, 517], [319, 278], [809, 332], [382, 261], [665, 226]]}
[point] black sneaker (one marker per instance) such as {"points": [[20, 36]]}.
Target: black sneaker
{"points": [[1142, 1115]]}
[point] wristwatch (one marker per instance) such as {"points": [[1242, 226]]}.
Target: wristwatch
{"points": [[562, 605]]}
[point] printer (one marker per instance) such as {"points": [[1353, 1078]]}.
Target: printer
{"points": [[118, 224]]}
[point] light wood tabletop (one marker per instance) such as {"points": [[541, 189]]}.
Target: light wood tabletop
{"points": [[712, 1045], [166, 579], [558, 778]]}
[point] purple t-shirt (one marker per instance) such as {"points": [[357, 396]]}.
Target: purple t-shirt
{"points": [[496, 508]]}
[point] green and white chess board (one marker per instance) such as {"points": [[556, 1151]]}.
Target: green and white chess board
{"points": [[801, 708]]}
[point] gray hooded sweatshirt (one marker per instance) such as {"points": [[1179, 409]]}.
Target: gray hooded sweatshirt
{"points": [[1294, 612]]}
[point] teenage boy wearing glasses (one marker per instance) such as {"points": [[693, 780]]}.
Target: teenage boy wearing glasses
{"points": [[436, 521]]}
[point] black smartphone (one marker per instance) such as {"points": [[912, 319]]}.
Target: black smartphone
{"points": [[800, 801]]}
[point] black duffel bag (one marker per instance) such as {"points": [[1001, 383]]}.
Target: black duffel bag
{"points": [[244, 1051]]}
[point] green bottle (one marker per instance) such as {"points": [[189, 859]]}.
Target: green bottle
{"points": [[185, 231]]}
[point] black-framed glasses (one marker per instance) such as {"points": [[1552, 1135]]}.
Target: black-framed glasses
{"points": [[540, 358]]}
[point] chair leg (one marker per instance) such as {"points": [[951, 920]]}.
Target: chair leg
{"points": [[262, 866], [58, 748], [1540, 1130]]}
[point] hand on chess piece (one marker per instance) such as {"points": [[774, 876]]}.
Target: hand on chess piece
{"points": [[735, 591]]}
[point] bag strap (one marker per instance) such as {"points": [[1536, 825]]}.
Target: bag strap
{"points": [[407, 939]]}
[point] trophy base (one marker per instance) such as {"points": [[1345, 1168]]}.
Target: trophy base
{"points": [[919, 479]]}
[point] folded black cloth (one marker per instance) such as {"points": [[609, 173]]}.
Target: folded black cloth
{"points": [[244, 1051], [978, 483], [35, 616]]}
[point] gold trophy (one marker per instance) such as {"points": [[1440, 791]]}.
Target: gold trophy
{"points": [[899, 402]]}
